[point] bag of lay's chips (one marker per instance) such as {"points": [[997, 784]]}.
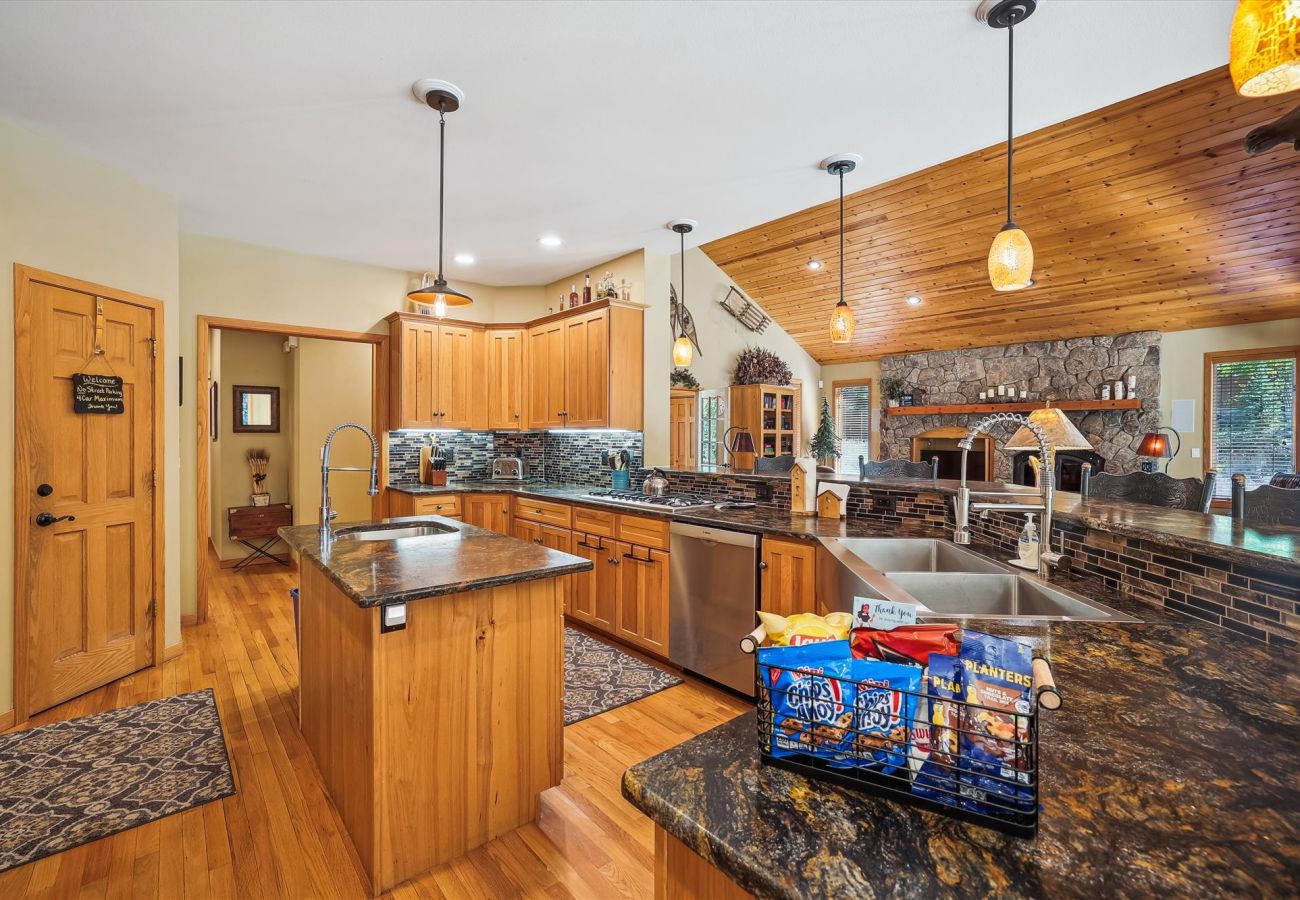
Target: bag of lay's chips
{"points": [[937, 775], [996, 674], [810, 694], [805, 628], [883, 716]]}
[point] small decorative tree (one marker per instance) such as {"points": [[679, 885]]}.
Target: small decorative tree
{"points": [[824, 444]]}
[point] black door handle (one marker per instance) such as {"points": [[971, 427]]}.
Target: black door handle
{"points": [[45, 520]]}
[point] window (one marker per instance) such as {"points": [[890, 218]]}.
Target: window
{"points": [[1250, 413], [852, 403], [711, 427]]}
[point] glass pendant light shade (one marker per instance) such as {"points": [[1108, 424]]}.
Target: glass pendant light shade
{"points": [[1011, 260], [1264, 47], [682, 351], [842, 324]]}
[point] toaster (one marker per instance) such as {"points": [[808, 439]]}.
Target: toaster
{"points": [[508, 467]]}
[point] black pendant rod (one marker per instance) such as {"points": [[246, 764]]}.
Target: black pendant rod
{"points": [[442, 168], [682, 234], [841, 234], [1011, 57]]}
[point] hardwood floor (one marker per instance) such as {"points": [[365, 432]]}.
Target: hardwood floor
{"points": [[279, 835]]}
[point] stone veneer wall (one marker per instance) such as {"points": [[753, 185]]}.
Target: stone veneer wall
{"points": [[1073, 369]]}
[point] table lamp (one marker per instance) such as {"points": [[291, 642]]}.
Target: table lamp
{"points": [[741, 447], [1155, 445]]}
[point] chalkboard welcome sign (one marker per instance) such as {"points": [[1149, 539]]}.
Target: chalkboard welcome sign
{"points": [[98, 395]]}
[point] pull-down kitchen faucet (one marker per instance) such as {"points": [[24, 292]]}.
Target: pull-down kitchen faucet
{"points": [[1046, 485], [327, 512]]}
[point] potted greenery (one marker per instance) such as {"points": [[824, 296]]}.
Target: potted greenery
{"points": [[892, 388], [682, 378]]}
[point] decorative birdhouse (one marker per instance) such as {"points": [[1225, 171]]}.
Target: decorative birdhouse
{"points": [[803, 487], [832, 500]]}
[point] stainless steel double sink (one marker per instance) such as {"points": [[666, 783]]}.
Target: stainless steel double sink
{"points": [[392, 531], [946, 581]]}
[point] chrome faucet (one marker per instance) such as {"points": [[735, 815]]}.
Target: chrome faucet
{"points": [[1046, 487], [327, 512]]}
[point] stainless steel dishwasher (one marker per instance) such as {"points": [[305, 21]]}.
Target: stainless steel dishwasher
{"points": [[713, 596]]}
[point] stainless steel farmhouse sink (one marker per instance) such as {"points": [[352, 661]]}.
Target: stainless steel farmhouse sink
{"points": [[395, 531], [948, 582]]}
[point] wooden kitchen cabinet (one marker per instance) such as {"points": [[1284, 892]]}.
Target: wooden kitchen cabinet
{"points": [[525, 530], [584, 368], [490, 511], [771, 413], [505, 376], [593, 596], [544, 385], [788, 576], [436, 373], [401, 503], [559, 539], [642, 599]]}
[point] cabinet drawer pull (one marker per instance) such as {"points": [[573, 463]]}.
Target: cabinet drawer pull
{"points": [[635, 558], [537, 540], [591, 546]]}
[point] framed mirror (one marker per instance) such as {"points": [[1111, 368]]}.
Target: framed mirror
{"points": [[257, 409]]}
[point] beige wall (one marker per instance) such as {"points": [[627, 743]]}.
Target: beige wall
{"points": [[722, 337], [259, 360], [1182, 374], [853, 372], [65, 213], [629, 267], [331, 382]]}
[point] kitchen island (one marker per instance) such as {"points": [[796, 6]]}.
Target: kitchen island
{"points": [[430, 685], [1171, 770]]}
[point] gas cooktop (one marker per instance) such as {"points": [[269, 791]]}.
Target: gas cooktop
{"points": [[646, 501]]}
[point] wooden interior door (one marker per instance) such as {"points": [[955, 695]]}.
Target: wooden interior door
{"points": [[682, 439], [506, 379], [88, 540], [546, 375]]}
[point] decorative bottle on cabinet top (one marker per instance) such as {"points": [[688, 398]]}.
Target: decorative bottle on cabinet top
{"points": [[586, 289], [573, 296]]}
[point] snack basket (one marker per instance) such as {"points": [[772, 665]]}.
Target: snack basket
{"points": [[985, 775]]}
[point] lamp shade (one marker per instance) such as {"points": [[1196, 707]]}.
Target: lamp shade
{"points": [[1264, 47], [437, 294], [1060, 431], [1155, 444], [742, 442], [841, 324], [682, 351], [1011, 260]]}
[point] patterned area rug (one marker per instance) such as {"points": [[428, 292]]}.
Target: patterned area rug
{"points": [[65, 784], [598, 677]]}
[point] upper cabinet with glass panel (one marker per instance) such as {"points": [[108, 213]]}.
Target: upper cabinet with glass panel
{"points": [[257, 409]]}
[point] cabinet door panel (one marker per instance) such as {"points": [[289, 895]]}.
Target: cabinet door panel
{"points": [[559, 539], [526, 531], [546, 375], [586, 353], [789, 577], [593, 595], [416, 365], [642, 608], [456, 377], [505, 379], [490, 511]]}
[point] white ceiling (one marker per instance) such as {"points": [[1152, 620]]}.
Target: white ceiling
{"points": [[292, 124]]}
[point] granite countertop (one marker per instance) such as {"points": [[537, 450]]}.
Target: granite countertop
{"points": [[373, 573], [1171, 769], [1275, 546]]}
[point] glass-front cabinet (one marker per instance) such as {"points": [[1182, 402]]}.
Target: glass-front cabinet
{"points": [[771, 414]]}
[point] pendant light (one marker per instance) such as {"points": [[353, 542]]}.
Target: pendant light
{"points": [[842, 315], [683, 353], [1011, 258], [1264, 47], [445, 97]]}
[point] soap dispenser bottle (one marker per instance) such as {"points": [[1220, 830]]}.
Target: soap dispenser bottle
{"points": [[1027, 547]]}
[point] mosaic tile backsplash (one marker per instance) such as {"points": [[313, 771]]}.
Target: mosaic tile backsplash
{"points": [[550, 455]]}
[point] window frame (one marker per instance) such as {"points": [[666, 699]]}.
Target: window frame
{"points": [[871, 412], [1207, 404]]}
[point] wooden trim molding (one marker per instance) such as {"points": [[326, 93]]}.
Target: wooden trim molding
{"points": [[24, 277], [1207, 413], [173, 651], [1030, 406], [6, 720], [379, 374]]}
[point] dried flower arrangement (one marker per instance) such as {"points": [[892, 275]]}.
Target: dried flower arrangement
{"points": [[258, 462], [755, 365]]}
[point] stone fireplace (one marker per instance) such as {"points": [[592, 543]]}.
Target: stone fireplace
{"points": [[1069, 468], [1073, 369]]}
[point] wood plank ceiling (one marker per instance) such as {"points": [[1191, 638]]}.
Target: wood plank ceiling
{"points": [[1147, 214]]}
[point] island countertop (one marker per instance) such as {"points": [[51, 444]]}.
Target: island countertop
{"points": [[373, 573], [1171, 769]]}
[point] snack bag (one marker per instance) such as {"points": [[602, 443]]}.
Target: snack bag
{"points": [[904, 644], [805, 628], [883, 716], [810, 695], [936, 774], [998, 674]]}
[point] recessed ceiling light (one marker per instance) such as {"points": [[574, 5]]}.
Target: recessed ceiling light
{"points": [[465, 259], [815, 264], [913, 299], [550, 240]]}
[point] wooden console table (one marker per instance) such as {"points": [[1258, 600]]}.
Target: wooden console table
{"points": [[248, 524]]}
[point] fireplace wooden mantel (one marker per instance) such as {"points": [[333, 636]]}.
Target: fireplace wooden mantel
{"points": [[955, 409]]}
